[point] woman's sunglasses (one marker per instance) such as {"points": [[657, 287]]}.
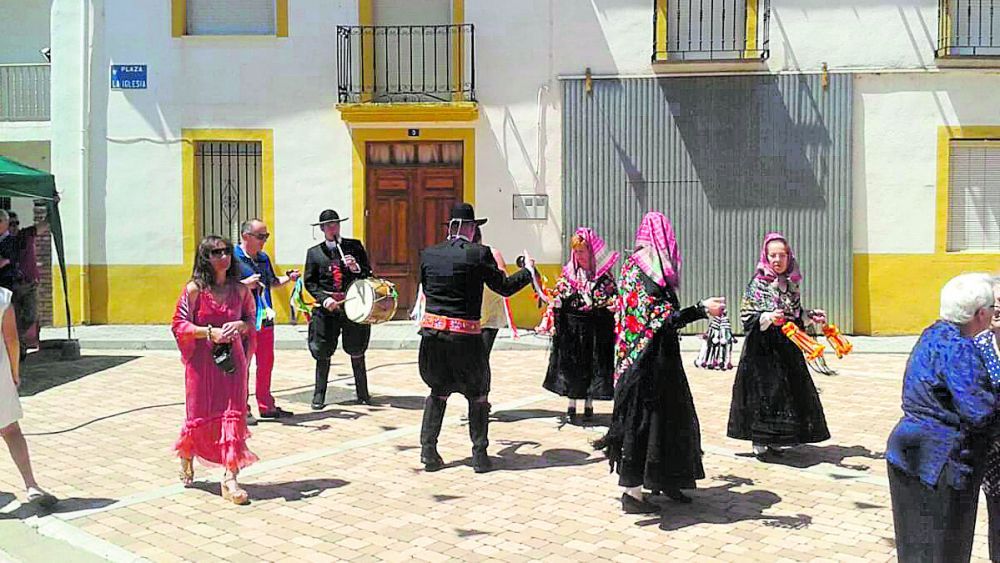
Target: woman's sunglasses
{"points": [[220, 252]]}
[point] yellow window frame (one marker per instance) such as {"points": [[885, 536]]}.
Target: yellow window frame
{"points": [[178, 24], [946, 134]]}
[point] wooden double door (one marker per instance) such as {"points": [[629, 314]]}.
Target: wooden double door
{"points": [[407, 209]]}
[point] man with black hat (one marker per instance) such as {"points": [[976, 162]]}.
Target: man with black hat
{"points": [[453, 356], [331, 267]]}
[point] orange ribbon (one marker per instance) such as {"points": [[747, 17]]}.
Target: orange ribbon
{"points": [[809, 347], [837, 340]]}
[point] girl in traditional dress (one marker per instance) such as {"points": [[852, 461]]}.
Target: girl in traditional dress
{"points": [[654, 439], [582, 358], [214, 328], [775, 402]]}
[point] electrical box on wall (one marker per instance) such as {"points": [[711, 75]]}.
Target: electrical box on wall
{"points": [[531, 207]]}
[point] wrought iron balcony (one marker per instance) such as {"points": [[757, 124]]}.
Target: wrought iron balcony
{"points": [[24, 92], [968, 28], [711, 30], [406, 63]]}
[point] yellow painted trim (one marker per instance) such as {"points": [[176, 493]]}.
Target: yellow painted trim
{"points": [[403, 112], [190, 191], [751, 30], [178, 18], [281, 18], [946, 134], [523, 306], [361, 136], [458, 49], [889, 299], [660, 48], [366, 17], [121, 293]]}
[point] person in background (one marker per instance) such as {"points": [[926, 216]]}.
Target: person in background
{"points": [[257, 273], [9, 253], [29, 276]]}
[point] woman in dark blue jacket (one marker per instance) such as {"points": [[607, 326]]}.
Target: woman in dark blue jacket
{"points": [[936, 453]]}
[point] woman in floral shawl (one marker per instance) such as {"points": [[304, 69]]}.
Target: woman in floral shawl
{"points": [[775, 402], [654, 439], [582, 358]]}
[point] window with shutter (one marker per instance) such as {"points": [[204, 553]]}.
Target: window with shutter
{"points": [[231, 17], [974, 196]]}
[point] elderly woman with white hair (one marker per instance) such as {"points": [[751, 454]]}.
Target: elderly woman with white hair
{"points": [[987, 344], [936, 453]]}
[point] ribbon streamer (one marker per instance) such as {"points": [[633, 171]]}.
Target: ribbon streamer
{"points": [[837, 341]]}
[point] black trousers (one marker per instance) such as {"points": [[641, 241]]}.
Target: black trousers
{"points": [[326, 328], [933, 524]]}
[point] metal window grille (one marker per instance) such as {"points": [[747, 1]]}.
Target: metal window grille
{"points": [[974, 196], [24, 92], [699, 30], [968, 28], [406, 63], [229, 186]]}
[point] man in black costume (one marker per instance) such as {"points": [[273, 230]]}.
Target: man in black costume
{"points": [[453, 357], [331, 267]]}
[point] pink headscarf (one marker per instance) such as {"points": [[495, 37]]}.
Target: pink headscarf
{"points": [[659, 257], [602, 259], [764, 270]]}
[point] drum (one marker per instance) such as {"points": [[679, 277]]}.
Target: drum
{"points": [[371, 301]]}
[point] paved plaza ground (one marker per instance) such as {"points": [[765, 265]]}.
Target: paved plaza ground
{"points": [[346, 483]]}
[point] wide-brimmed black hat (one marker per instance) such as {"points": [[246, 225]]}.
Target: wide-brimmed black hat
{"points": [[329, 216], [465, 213]]}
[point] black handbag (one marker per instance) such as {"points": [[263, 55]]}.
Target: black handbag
{"points": [[222, 354]]}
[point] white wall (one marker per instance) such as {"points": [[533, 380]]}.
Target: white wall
{"points": [[522, 47], [896, 124], [24, 30]]}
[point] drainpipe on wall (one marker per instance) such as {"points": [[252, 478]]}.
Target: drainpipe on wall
{"points": [[85, 56]]}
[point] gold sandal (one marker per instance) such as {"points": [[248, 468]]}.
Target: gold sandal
{"points": [[234, 493], [186, 473]]}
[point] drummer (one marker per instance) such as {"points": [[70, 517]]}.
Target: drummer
{"points": [[331, 267]]}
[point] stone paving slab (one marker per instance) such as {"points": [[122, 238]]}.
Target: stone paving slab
{"points": [[346, 484]]}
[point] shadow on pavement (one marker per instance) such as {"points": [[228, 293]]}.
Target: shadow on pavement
{"points": [[291, 491], [44, 370], [723, 505]]}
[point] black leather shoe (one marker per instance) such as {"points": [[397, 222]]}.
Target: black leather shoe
{"points": [[588, 413], [677, 496], [318, 405], [571, 413], [632, 505], [278, 412]]}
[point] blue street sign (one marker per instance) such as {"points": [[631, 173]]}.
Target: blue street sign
{"points": [[128, 77]]}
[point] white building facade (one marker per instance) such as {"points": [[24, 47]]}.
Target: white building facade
{"points": [[390, 110]]}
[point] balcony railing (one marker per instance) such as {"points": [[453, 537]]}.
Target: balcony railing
{"points": [[712, 30], [968, 28], [406, 63], [24, 92]]}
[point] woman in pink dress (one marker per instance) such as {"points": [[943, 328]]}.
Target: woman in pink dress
{"points": [[214, 328]]}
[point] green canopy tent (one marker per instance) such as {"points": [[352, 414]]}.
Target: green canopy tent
{"points": [[18, 180]]}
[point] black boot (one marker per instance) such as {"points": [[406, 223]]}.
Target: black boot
{"points": [[319, 390], [361, 380], [429, 432], [479, 420]]}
